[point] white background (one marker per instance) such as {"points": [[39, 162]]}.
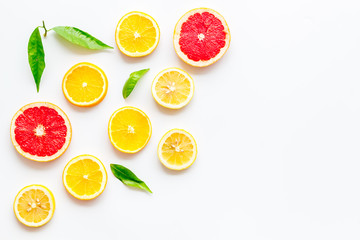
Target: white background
{"points": [[277, 122]]}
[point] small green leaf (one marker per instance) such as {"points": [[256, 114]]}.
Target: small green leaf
{"points": [[132, 81], [79, 37], [36, 56], [128, 177]]}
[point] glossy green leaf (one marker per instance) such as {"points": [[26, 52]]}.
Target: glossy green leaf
{"points": [[132, 81], [128, 177], [36, 56], [79, 37]]}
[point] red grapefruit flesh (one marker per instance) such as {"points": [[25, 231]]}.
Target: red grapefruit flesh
{"points": [[201, 37], [40, 131]]}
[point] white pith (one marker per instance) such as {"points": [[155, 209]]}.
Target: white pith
{"points": [[35, 157], [201, 36], [172, 88], [39, 130], [162, 141], [102, 169], [131, 129], [136, 35], [177, 38]]}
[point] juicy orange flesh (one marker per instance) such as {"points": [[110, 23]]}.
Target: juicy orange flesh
{"points": [[137, 34], [84, 84], [84, 177], [177, 149], [129, 130], [173, 88], [34, 206]]}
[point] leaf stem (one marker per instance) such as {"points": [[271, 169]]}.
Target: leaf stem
{"points": [[46, 31]]}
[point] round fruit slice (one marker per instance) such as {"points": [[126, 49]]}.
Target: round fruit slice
{"points": [[40, 131], [201, 37], [177, 149], [129, 129], [173, 88], [137, 34], [34, 205], [85, 177], [85, 85]]}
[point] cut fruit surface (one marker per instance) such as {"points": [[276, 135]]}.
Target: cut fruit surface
{"points": [[34, 205], [40, 131], [177, 149], [173, 88], [137, 34], [85, 85], [201, 37], [129, 129], [85, 177]]}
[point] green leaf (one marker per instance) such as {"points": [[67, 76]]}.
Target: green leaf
{"points": [[36, 56], [79, 37], [128, 177], [132, 81]]}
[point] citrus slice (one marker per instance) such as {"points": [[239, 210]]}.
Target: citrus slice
{"points": [[34, 205], [85, 177], [173, 88], [201, 37], [40, 131], [85, 85], [137, 34], [177, 149], [129, 129]]}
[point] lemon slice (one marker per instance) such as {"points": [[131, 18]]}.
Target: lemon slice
{"points": [[34, 205], [173, 88], [85, 177], [129, 129], [85, 85], [177, 149], [137, 34]]}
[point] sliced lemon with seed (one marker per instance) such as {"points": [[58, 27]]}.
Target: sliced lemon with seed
{"points": [[129, 129], [85, 85], [137, 34], [173, 88], [34, 205], [85, 177], [177, 149]]}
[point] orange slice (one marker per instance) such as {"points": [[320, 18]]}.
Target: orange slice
{"points": [[137, 34], [34, 205], [129, 129], [85, 177], [85, 85]]}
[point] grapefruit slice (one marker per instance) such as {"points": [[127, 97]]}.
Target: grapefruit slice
{"points": [[40, 131], [201, 37]]}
